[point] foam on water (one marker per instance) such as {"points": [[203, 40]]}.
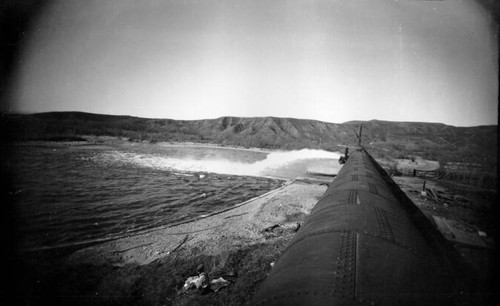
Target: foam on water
{"points": [[272, 161]]}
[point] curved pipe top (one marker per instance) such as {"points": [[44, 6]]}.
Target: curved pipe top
{"points": [[364, 243]]}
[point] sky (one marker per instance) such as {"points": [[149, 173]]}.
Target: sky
{"points": [[334, 61]]}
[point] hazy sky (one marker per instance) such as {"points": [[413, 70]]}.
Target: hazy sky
{"points": [[432, 61]]}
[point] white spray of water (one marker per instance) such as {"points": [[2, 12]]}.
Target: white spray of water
{"points": [[274, 160]]}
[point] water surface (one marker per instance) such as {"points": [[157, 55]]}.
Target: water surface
{"points": [[71, 194]]}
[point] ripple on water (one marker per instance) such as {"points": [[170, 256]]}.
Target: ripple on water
{"points": [[75, 194]]}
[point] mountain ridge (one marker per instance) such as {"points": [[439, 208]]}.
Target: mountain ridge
{"points": [[390, 139]]}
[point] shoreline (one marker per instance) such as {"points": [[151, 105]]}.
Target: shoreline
{"points": [[217, 146], [242, 241], [88, 243], [104, 140], [243, 222]]}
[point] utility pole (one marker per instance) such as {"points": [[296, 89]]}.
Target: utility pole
{"points": [[358, 135]]}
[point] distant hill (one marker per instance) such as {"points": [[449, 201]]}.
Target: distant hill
{"points": [[384, 139]]}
